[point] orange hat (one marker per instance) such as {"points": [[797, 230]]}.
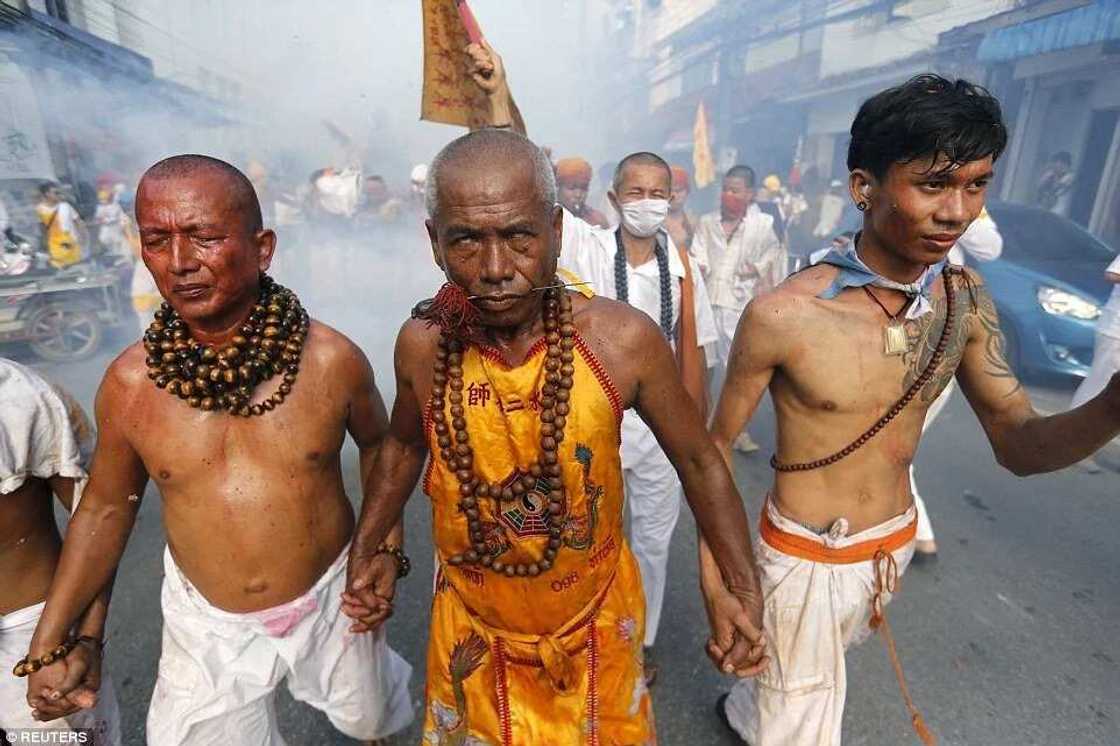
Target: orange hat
{"points": [[680, 178], [573, 171], [106, 179]]}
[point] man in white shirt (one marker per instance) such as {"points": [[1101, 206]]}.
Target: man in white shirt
{"points": [[111, 219], [5, 225], [740, 257], [638, 263], [1106, 355], [832, 210]]}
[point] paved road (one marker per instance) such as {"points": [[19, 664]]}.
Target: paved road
{"points": [[1012, 638]]}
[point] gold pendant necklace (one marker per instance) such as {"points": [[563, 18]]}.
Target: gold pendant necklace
{"points": [[895, 339]]}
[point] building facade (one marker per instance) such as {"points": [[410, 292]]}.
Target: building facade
{"points": [[783, 80]]}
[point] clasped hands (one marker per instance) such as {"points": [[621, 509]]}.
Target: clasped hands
{"points": [[371, 582], [67, 685], [737, 644]]}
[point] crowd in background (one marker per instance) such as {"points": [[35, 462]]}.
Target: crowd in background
{"points": [[328, 218]]}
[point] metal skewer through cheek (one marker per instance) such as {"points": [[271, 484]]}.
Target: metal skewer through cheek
{"points": [[540, 289]]}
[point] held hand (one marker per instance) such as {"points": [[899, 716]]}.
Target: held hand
{"points": [[67, 685], [371, 581], [737, 645], [485, 67]]}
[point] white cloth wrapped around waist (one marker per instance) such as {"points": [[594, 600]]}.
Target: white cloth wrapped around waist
{"points": [[275, 621]]}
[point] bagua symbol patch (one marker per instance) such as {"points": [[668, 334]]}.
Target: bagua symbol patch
{"points": [[528, 514]]}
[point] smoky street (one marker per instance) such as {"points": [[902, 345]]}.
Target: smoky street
{"points": [[785, 234], [1011, 637]]}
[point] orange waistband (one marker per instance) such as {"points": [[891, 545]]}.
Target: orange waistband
{"points": [[806, 548]]}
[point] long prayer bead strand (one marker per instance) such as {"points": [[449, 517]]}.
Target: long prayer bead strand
{"points": [[901, 404], [544, 475], [622, 285]]}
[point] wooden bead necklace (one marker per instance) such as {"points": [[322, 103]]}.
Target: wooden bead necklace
{"points": [[544, 477], [270, 343]]}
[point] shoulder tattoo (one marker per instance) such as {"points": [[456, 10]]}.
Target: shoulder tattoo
{"points": [[924, 334], [991, 336]]}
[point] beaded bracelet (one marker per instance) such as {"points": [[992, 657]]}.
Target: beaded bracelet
{"points": [[28, 665], [404, 564]]}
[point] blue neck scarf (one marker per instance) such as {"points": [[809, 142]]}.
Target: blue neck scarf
{"points": [[855, 274]]}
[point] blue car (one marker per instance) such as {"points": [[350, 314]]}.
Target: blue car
{"points": [[1049, 288]]}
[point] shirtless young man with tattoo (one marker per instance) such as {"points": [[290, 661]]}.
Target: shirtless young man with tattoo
{"points": [[238, 404], [859, 338]]}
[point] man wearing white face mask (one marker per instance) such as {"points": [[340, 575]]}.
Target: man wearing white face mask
{"points": [[637, 263], [741, 257]]}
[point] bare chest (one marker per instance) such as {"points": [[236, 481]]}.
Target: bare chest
{"points": [[852, 360], [180, 445]]}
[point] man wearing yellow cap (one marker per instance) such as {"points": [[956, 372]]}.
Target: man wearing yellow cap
{"points": [[573, 179], [773, 200]]}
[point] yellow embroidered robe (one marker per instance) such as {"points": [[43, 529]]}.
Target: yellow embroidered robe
{"points": [[551, 659]]}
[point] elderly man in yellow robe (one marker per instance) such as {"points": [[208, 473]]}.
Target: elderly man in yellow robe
{"points": [[512, 387]]}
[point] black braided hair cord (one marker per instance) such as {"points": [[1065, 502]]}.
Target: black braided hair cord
{"points": [[622, 287]]}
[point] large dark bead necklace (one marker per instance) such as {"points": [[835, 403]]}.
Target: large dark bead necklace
{"points": [[622, 285], [543, 480], [270, 343]]}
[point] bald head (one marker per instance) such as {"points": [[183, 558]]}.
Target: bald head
{"points": [[480, 153], [239, 194], [494, 223], [639, 159]]}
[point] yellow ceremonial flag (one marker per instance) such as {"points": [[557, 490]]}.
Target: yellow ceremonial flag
{"points": [[450, 96], [703, 167]]}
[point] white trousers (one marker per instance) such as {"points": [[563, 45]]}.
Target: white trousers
{"points": [[813, 612], [103, 719], [719, 352], [218, 670], [1106, 361], [727, 320], [925, 528], [653, 494]]}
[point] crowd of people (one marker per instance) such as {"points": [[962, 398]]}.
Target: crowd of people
{"points": [[578, 364]]}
